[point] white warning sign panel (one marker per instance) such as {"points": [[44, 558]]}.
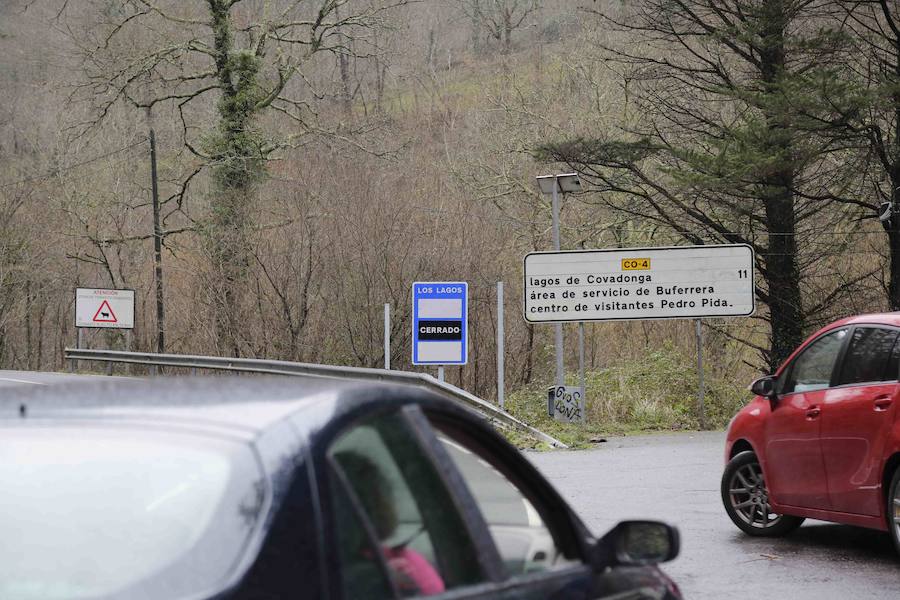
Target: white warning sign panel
{"points": [[679, 282], [104, 308]]}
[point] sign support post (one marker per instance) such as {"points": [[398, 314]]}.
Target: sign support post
{"points": [[387, 336], [74, 365], [500, 349], [581, 358], [440, 372], [700, 390]]}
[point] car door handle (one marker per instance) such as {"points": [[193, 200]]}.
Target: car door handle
{"points": [[883, 403], [813, 412]]}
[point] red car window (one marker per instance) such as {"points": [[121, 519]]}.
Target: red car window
{"points": [[868, 356], [813, 368]]}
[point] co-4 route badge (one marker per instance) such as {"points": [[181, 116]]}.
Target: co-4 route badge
{"points": [[440, 322]]}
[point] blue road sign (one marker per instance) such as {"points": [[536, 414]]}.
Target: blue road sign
{"points": [[440, 322]]}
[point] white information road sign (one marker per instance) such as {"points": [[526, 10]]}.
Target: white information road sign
{"points": [[440, 322], [679, 282], [104, 308]]}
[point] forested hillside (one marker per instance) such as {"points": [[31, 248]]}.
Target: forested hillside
{"points": [[316, 157]]}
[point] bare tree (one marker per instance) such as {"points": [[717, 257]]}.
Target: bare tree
{"points": [[499, 18], [864, 97], [251, 57]]}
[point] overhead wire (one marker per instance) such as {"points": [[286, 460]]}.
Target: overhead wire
{"points": [[57, 171], [480, 217]]}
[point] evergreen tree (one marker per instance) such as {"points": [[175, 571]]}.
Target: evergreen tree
{"points": [[722, 139]]}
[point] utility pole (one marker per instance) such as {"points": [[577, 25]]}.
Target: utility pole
{"points": [[157, 243]]}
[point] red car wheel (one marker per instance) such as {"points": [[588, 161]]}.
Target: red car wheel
{"points": [[746, 499]]}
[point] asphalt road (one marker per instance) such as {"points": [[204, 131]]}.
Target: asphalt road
{"points": [[675, 478], [28, 378]]}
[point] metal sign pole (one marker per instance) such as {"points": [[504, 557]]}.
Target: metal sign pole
{"points": [[560, 367], [581, 359], [441, 373], [700, 389], [128, 343], [109, 368], [73, 366], [387, 336], [500, 349]]}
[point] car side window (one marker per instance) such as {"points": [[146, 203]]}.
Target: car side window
{"points": [[525, 543], [868, 356], [892, 372], [362, 573], [404, 505], [813, 368]]}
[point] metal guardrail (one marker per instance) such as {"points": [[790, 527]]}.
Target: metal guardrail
{"points": [[279, 367]]}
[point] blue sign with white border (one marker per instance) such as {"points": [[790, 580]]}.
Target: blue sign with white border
{"points": [[440, 322]]}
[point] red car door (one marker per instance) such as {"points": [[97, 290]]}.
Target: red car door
{"points": [[856, 418], [794, 466]]}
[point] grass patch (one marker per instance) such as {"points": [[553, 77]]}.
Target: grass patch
{"points": [[656, 393]]}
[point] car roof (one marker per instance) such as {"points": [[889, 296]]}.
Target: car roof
{"points": [[890, 318], [247, 403]]}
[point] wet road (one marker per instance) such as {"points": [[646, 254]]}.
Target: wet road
{"points": [[30, 378], [675, 477]]}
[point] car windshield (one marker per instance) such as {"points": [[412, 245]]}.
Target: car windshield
{"points": [[92, 513]]}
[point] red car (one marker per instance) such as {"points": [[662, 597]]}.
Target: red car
{"points": [[821, 438]]}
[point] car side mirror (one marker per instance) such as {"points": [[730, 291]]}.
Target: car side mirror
{"points": [[765, 387], [637, 543]]}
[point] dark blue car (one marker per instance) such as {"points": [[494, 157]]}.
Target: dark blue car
{"points": [[290, 488]]}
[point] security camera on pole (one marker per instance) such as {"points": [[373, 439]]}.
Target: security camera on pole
{"points": [[559, 395]]}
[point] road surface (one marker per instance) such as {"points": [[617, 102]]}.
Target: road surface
{"points": [[30, 378], [675, 478]]}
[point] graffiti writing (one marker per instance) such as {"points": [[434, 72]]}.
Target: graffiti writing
{"points": [[566, 403]]}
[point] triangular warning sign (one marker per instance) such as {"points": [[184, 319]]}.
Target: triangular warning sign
{"points": [[105, 314]]}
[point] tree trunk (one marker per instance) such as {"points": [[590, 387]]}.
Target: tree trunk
{"points": [[893, 232], [528, 367], [782, 273], [892, 225], [507, 30], [239, 165]]}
